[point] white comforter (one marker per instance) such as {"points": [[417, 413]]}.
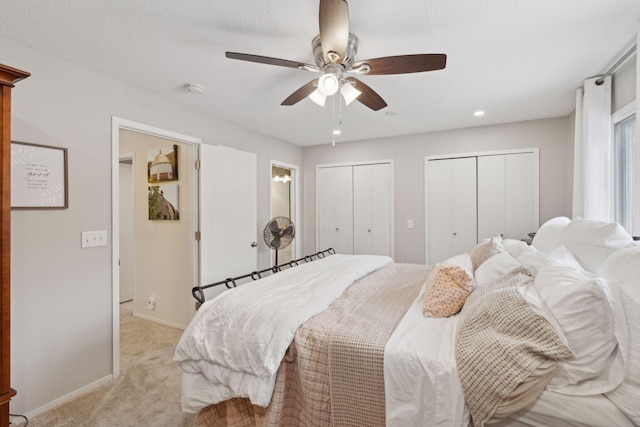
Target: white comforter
{"points": [[421, 382], [235, 342]]}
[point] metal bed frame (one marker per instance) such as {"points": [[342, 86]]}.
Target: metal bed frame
{"points": [[198, 291]]}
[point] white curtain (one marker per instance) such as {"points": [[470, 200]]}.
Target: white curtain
{"points": [[592, 182]]}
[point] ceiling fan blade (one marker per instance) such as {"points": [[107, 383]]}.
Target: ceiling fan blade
{"points": [[271, 61], [368, 97], [404, 64], [301, 93], [334, 29]]}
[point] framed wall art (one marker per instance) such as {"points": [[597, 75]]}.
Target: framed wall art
{"points": [[162, 164], [164, 202], [39, 177]]}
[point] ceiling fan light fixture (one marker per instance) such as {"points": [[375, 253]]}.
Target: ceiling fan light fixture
{"points": [[317, 97], [328, 84], [349, 93]]}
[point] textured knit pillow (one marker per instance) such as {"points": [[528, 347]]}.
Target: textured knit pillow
{"points": [[505, 351], [448, 286], [485, 250]]}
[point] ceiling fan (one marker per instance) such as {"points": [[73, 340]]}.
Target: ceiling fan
{"points": [[335, 49]]}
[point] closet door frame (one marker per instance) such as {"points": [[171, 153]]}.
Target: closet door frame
{"points": [[391, 196], [536, 154]]}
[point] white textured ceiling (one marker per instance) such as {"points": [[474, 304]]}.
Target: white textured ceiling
{"points": [[515, 59]]}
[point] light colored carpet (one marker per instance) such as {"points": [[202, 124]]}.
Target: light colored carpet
{"points": [[147, 392]]}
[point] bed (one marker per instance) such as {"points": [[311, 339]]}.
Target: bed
{"points": [[496, 336]]}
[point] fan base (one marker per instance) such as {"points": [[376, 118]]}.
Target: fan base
{"points": [[352, 49]]}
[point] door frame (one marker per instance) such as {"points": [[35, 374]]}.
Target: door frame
{"points": [[132, 157], [534, 150], [118, 124], [297, 241]]}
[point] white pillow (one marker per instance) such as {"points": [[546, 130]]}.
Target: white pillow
{"points": [[623, 268], [532, 297], [514, 247], [589, 313], [495, 267], [547, 237], [532, 259], [463, 261], [591, 242]]}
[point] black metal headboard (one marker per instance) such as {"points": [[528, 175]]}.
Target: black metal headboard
{"points": [[198, 291]]}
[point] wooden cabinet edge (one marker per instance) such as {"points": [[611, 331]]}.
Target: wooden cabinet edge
{"points": [[8, 77]]}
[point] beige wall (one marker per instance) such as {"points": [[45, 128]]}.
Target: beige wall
{"points": [[61, 329], [552, 136], [624, 86], [163, 264]]}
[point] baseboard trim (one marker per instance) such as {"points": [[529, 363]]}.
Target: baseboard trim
{"points": [[69, 397], [160, 321]]}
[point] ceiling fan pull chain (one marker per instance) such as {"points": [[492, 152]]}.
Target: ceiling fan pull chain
{"points": [[333, 120], [340, 114]]}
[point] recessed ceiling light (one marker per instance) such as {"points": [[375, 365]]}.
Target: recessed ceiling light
{"points": [[337, 131], [479, 113]]}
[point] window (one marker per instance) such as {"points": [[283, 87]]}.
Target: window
{"points": [[624, 133]]}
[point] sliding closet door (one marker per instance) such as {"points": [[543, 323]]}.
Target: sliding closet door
{"points": [[491, 196], [372, 206], [507, 195], [334, 201], [451, 207], [521, 194]]}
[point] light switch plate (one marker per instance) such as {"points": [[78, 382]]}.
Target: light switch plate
{"points": [[91, 239]]}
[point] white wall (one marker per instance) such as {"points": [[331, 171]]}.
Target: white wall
{"points": [[636, 205], [61, 294], [552, 136]]}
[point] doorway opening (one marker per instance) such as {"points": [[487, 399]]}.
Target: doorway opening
{"points": [[177, 312], [285, 202]]}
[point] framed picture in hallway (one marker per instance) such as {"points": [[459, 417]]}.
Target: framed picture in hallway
{"points": [[162, 164], [164, 202], [38, 176]]}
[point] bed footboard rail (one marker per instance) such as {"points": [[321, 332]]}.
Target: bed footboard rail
{"points": [[198, 291]]}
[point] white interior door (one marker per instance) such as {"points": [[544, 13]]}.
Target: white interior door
{"points": [[334, 192], [228, 215], [491, 196], [127, 232], [372, 209], [451, 207]]}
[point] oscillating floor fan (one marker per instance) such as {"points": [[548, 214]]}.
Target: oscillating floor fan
{"points": [[279, 233]]}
